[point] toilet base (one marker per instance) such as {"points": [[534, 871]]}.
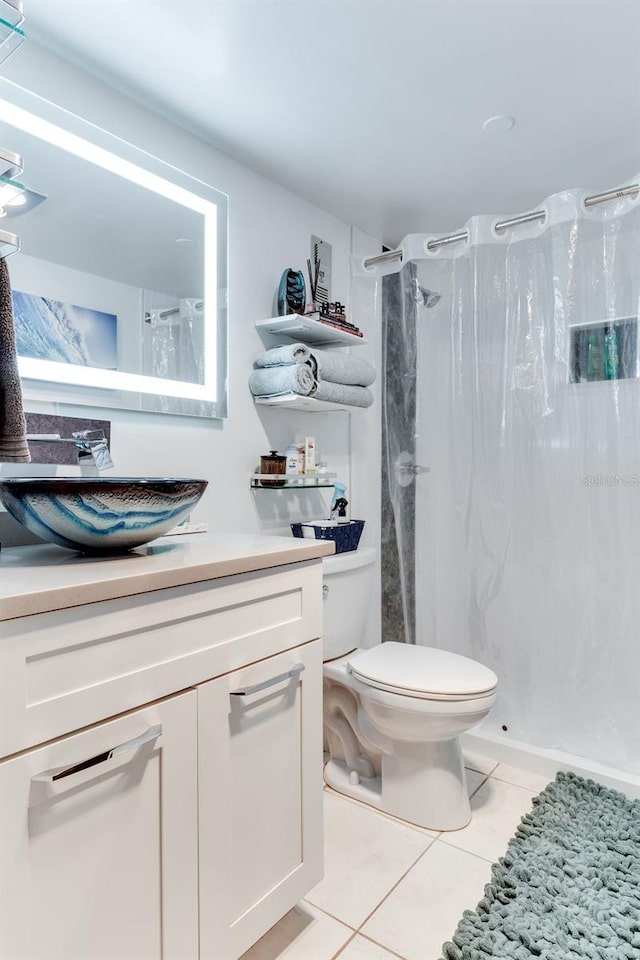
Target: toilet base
{"points": [[422, 783], [367, 790]]}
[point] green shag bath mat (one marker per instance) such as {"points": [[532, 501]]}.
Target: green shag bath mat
{"points": [[568, 886]]}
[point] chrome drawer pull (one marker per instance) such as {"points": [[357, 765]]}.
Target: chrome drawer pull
{"points": [[289, 675], [59, 773]]}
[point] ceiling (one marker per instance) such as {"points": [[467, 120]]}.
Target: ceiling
{"points": [[373, 109]]}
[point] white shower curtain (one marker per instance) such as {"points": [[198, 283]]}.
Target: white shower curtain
{"points": [[528, 523]]}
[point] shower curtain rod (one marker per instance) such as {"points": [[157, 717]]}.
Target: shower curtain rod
{"points": [[163, 314], [392, 255]]}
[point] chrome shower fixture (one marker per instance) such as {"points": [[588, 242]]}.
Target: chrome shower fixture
{"points": [[429, 297]]}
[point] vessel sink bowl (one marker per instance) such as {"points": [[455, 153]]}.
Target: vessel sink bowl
{"points": [[99, 515]]}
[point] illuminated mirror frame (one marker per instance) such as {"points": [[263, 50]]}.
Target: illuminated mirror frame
{"points": [[114, 387]]}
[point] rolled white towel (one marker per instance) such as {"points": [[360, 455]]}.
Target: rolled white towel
{"points": [[352, 396], [292, 378], [342, 368], [287, 353]]}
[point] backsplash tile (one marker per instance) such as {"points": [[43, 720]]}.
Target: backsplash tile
{"points": [[60, 453]]}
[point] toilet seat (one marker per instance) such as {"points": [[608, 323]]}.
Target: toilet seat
{"points": [[422, 672]]}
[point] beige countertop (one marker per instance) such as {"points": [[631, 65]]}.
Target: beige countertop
{"points": [[37, 579]]}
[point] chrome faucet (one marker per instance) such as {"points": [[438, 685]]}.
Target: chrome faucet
{"points": [[92, 449]]}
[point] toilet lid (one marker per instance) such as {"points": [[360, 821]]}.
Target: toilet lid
{"points": [[422, 672]]}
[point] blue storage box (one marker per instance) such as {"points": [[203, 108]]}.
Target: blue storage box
{"points": [[345, 535]]}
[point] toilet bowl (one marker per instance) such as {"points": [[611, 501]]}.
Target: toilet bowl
{"points": [[393, 714]]}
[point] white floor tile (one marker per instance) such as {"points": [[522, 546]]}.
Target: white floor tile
{"points": [[496, 811], [303, 934], [365, 854], [362, 949], [474, 779], [521, 778], [381, 813], [477, 761], [423, 911]]}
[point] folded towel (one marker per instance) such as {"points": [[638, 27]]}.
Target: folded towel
{"points": [[13, 429], [287, 353], [343, 393], [342, 368], [293, 378]]}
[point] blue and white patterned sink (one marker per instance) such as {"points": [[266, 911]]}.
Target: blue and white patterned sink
{"points": [[96, 514]]}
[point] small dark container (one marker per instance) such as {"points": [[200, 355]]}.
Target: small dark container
{"points": [[273, 464], [346, 535]]}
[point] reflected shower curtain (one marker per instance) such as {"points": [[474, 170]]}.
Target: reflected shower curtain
{"points": [[528, 523], [173, 343], [173, 349]]}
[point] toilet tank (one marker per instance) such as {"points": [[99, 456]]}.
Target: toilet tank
{"points": [[347, 585]]}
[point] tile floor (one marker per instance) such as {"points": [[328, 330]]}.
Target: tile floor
{"points": [[392, 890]]}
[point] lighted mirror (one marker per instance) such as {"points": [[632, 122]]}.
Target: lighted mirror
{"points": [[119, 287]]}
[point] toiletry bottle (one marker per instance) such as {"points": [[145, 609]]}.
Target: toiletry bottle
{"points": [[340, 511], [300, 458], [291, 453], [309, 455], [339, 490], [299, 443]]}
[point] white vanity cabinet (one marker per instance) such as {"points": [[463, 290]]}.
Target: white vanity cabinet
{"points": [[261, 822], [100, 855], [161, 780]]}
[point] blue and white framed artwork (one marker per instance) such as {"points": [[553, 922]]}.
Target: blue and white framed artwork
{"points": [[65, 333]]}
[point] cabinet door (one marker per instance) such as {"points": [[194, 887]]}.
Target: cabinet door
{"points": [[98, 841], [260, 797]]}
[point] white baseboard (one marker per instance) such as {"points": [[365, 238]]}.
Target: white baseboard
{"points": [[548, 762]]}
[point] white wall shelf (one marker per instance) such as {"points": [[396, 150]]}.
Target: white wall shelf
{"points": [[296, 327], [293, 401]]}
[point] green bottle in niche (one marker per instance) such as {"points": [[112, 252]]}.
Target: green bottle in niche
{"points": [[595, 351], [611, 354]]}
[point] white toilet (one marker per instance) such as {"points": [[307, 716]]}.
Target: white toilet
{"points": [[393, 714]]}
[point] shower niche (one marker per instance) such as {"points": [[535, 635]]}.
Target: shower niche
{"points": [[605, 350]]}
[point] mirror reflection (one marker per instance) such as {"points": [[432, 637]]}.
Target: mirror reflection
{"points": [[109, 287]]}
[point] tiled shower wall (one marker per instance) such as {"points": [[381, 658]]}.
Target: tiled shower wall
{"points": [[398, 434]]}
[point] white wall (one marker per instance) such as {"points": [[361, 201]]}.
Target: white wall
{"points": [[269, 229]]}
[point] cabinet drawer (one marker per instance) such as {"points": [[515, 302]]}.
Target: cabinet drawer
{"points": [[67, 669]]}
